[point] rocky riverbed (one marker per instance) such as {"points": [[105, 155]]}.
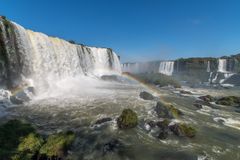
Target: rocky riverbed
{"points": [[169, 125]]}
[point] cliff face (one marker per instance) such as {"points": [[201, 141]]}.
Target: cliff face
{"points": [[195, 70], [32, 56]]}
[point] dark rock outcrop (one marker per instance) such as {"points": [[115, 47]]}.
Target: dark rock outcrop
{"points": [[22, 95], [103, 120], [146, 96], [183, 130], [164, 110], [229, 101], [207, 98]]}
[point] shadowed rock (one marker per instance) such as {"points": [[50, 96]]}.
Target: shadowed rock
{"points": [[146, 96]]}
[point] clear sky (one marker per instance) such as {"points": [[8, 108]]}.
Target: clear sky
{"points": [[137, 30]]}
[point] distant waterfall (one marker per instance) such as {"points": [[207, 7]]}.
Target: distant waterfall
{"points": [[36, 56], [166, 67], [208, 66], [141, 67], [222, 65]]}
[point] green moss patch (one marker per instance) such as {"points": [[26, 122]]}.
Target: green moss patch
{"points": [[20, 141], [229, 101], [128, 119]]}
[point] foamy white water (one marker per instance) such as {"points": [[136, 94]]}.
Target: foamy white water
{"points": [[46, 60], [166, 67]]}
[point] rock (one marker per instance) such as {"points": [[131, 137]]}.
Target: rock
{"points": [[111, 146], [163, 134], [185, 92], [207, 98], [57, 145], [199, 106], [183, 130], [152, 124], [128, 119], [103, 120], [146, 96], [163, 125], [22, 96], [229, 101], [167, 111], [200, 103]]}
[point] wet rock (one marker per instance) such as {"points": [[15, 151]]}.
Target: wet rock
{"points": [[23, 95], [183, 130], [207, 98], [146, 96], [200, 103], [229, 101], [185, 92], [163, 134], [111, 146], [163, 125], [103, 120], [167, 111], [128, 119], [152, 124], [199, 106]]}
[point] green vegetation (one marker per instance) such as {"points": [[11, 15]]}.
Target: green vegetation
{"points": [[57, 144], [165, 110], [11, 135], [188, 131], [128, 119], [229, 101], [20, 141], [158, 79]]}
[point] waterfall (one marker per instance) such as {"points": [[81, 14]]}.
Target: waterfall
{"points": [[208, 66], [222, 65], [141, 67], [45, 59], [166, 67]]}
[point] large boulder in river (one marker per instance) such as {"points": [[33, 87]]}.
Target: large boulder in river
{"points": [[183, 130], [164, 110], [207, 98], [22, 95], [229, 101], [128, 119], [146, 96]]}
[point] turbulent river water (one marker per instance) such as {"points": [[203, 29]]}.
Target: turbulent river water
{"points": [[73, 107]]}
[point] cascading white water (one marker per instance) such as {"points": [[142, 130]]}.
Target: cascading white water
{"points": [[141, 67], [47, 60], [208, 66], [222, 65], [166, 67]]}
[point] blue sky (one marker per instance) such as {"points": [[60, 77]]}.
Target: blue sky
{"points": [[138, 30]]}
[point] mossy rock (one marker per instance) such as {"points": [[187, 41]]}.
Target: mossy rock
{"points": [[165, 110], [128, 119], [12, 135], [183, 130], [207, 98], [29, 147], [56, 145], [229, 101]]}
